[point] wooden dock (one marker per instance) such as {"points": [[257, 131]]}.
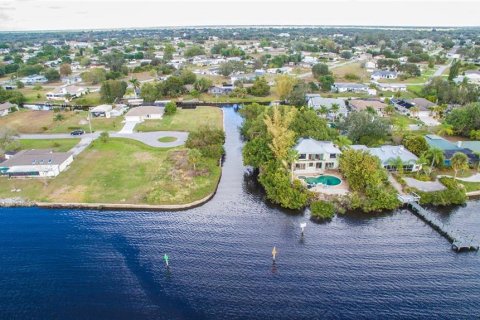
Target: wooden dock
{"points": [[459, 242]]}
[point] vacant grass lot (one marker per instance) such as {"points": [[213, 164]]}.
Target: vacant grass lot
{"points": [[342, 73], [185, 120], [120, 171], [28, 121], [59, 145]]}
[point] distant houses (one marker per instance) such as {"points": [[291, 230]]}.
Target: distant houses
{"points": [[36, 163], [33, 80], [340, 87], [66, 92], [383, 74], [315, 156]]}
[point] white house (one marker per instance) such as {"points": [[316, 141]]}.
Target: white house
{"points": [[61, 93], [221, 90], [35, 79], [383, 74], [342, 87], [140, 114], [36, 163], [103, 111], [387, 155], [394, 87], [315, 156], [5, 108]]}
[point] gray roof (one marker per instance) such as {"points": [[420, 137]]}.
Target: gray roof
{"points": [[422, 103], [6, 106], [145, 110], [383, 73], [350, 85], [316, 147], [387, 153], [36, 157], [316, 101]]}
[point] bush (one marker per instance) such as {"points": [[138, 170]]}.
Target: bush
{"points": [[170, 108], [208, 141], [454, 194], [104, 136], [322, 210]]}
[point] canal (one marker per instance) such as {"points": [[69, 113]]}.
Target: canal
{"points": [[79, 264]]}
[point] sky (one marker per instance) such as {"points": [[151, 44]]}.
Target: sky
{"points": [[24, 15]]}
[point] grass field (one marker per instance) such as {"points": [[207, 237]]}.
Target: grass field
{"points": [[121, 171], [27, 121], [470, 186], [356, 69], [185, 120], [59, 145], [167, 139], [423, 78]]}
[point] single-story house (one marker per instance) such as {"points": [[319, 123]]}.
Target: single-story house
{"points": [[364, 104], [36, 163], [161, 103], [315, 156], [472, 145], [401, 105], [316, 101], [449, 149], [6, 108], [61, 93], [383, 74], [473, 75], [34, 79], [387, 154], [143, 113], [349, 87], [102, 110], [221, 90], [394, 87]]}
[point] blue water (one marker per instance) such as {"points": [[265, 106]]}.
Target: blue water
{"points": [[74, 264], [328, 180]]}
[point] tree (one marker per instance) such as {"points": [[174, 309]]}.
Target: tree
{"points": [[347, 55], [282, 138], [436, 157], [323, 110], [8, 139], [135, 84], [170, 108], [319, 70], [52, 75], [227, 68], [343, 142], [400, 126], [193, 51], [445, 129], [464, 119], [297, 95], [389, 109], [326, 82], [94, 76], [208, 141], [260, 87], [284, 85], [65, 69], [459, 161], [202, 84], [335, 107], [397, 163], [114, 60], [150, 92], [415, 110], [188, 77], [454, 69], [364, 128], [194, 157], [308, 125], [112, 90], [59, 117], [104, 136], [416, 144], [168, 51], [172, 87]]}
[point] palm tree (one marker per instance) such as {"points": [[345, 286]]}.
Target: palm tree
{"points": [[136, 84], [459, 161], [389, 109], [292, 156], [436, 157], [343, 142], [397, 163], [400, 125], [445, 129], [335, 108], [323, 110], [414, 110]]}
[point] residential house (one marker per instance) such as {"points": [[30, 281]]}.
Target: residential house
{"points": [[33, 80], [6, 108], [315, 156], [370, 66], [142, 113], [449, 149], [350, 87], [101, 111], [36, 163], [387, 154], [402, 106], [473, 76], [383, 74], [364, 104], [66, 92], [221, 90], [316, 101], [394, 87]]}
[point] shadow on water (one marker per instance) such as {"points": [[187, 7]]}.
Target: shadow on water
{"points": [[167, 306]]}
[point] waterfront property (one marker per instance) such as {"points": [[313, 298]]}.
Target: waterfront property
{"points": [[449, 149], [315, 156], [316, 101], [6, 108], [143, 113], [36, 163], [389, 154]]}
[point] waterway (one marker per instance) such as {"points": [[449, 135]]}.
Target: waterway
{"points": [[85, 264]]}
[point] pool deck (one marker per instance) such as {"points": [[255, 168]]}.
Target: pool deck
{"points": [[339, 190]]}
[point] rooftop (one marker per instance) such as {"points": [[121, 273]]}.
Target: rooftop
{"points": [[308, 145], [36, 157]]}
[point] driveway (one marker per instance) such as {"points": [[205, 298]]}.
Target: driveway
{"points": [[151, 138], [425, 186], [128, 127]]}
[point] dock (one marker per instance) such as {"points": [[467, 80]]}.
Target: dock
{"points": [[459, 242]]}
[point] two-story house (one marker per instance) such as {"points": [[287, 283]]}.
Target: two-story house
{"points": [[315, 156]]}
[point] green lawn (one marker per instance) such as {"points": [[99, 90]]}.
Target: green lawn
{"points": [[167, 139], [122, 171], [28, 121], [185, 120], [59, 145]]}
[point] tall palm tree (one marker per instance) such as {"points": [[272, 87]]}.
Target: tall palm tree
{"points": [[389, 109], [136, 84], [323, 110], [335, 108], [397, 163], [459, 161], [436, 157], [343, 142]]}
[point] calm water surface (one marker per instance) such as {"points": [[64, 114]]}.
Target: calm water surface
{"points": [[75, 264]]}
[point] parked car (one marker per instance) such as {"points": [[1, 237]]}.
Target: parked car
{"points": [[77, 132]]}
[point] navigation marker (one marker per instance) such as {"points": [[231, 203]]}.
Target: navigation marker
{"points": [[302, 226], [165, 257]]}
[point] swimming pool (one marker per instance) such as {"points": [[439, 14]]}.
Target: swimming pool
{"points": [[325, 180]]}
